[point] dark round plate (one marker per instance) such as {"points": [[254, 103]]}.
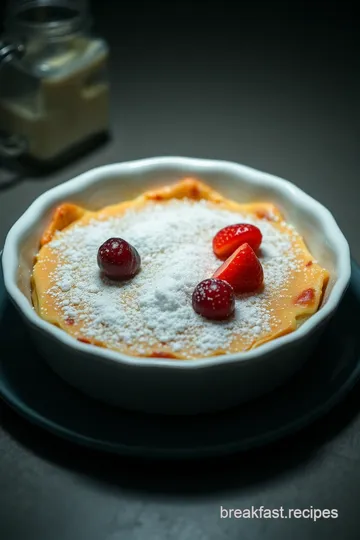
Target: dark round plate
{"points": [[29, 386]]}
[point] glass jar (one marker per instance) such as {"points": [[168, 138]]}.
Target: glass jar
{"points": [[54, 92]]}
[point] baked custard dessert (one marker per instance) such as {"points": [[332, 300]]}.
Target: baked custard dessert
{"points": [[179, 272]]}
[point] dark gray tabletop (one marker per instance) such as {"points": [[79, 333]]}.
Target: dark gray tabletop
{"points": [[277, 92]]}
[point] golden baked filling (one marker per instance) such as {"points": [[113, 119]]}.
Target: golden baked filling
{"points": [[204, 275]]}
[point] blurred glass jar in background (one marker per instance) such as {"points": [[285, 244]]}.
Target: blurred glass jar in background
{"points": [[54, 92]]}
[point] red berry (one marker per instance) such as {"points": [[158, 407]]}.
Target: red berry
{"points": [[118, 259], [242, 270], [228, 239], [213, 299]]}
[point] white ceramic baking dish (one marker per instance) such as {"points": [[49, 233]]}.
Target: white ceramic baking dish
{"points": [[175, 386]]}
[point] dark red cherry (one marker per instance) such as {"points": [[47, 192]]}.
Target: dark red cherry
{"points": [[118, 259], [214, 299]]}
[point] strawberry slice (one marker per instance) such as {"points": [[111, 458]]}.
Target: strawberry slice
{"points": [[228, 239], [242, 270]]}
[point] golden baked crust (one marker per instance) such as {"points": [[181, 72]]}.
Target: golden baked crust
{"points": [[298, 298]]}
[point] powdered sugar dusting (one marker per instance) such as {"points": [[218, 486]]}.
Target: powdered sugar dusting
{"points": [[174, 240]]}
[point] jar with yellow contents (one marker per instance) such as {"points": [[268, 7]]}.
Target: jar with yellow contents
{"points": [[54, 90]]}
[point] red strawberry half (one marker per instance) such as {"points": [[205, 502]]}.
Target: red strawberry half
{"points": [[228, 239], [242, 270]]}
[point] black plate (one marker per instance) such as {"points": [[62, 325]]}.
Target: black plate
{"points": [[28, 385]]}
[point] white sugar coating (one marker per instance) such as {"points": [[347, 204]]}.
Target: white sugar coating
{"points": [[174, 241]]}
